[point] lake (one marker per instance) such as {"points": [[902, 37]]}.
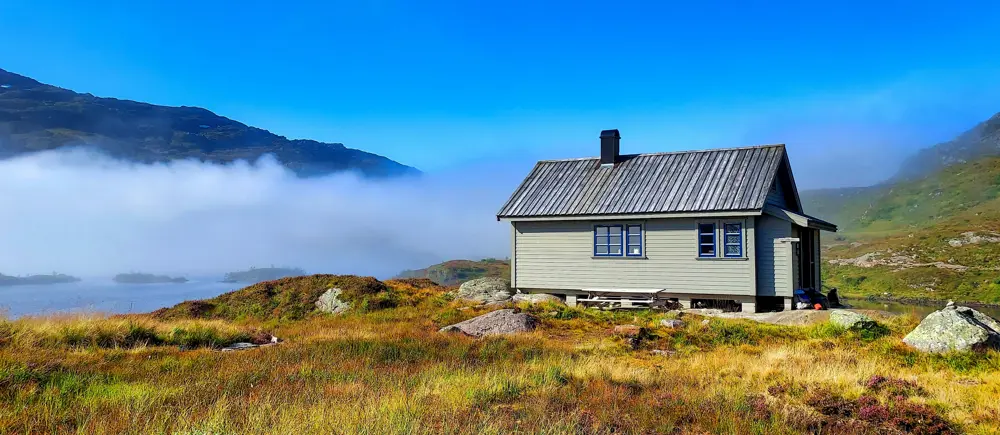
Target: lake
{"points": [[920, 311], [105, 296]]}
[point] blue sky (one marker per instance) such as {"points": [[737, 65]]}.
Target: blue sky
{"points": [[850, 86]]}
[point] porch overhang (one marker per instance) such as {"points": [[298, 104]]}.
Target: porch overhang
{"points": [[800, 219]]}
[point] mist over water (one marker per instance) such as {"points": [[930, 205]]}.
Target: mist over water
{"points": [[85, 214]]}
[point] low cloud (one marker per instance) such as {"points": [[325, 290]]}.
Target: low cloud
{"points": [[83, 213]]}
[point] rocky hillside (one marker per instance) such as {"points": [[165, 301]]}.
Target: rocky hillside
{"points": [[455, 272], [35, 117]]}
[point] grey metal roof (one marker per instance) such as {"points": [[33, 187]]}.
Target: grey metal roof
{"points": [[691, 181]]}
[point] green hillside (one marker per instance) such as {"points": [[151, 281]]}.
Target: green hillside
{"points": [[458, 271], [931, 232], [934, 238]]}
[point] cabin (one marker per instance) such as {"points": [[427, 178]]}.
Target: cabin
{"points": [[720, 227]]}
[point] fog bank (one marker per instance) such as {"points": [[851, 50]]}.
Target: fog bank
{"points": [[85, 214]]}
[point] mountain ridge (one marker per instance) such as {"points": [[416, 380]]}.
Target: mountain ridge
{"points": [[37, 117]]}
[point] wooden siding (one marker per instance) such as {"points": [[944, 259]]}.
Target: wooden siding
{"points": [[559, 256], [776, 196], [773, 257]]}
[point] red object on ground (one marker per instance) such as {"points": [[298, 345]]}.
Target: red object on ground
{"points": [[818, 307]]}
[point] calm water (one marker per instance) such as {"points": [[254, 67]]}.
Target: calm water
{"points": [[920, 311], [105, 296]]}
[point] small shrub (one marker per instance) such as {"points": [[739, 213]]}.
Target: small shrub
{"points": [[893, 386]]}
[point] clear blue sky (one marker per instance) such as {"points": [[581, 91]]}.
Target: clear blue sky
{"points": [[444, 84]]}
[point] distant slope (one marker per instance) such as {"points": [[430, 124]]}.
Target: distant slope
{"points": [[36, 117], [458, 271], [983, 140], [905, 205], [258, 274]]}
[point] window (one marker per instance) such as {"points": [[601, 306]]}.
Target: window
{"points": [[706, 240], [734, 240], [633, 240], [608, 240]]}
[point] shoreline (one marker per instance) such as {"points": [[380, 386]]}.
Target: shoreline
{"points": [[924, 302]]}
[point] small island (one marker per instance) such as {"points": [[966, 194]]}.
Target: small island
{"points": [[255, 275], [54, 278], [146, 278]]}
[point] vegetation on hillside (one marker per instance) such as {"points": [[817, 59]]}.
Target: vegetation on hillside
{"points": [[455, 272], [36, 117], [258, 274], [937, 238], [388, 370], [54, 278]]}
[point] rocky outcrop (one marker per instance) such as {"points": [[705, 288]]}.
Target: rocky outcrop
{"points": [[894, 260], [485, 290], [851, 320], [536, 298], [329, 302], [500, 322], [971, 238], [955, 329]]}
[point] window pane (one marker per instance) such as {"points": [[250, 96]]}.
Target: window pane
{"points": [[602, 231], [616, 250], [707, 250], [706, 238], [732, 238], [616, 239], [706, 228], [634, 250], [634, 229], [732, 228], [602, 249], [634, 239], [733, 250], [601, 240]]}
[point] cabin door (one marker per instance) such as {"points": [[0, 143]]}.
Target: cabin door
{"points": [[804, 251]]}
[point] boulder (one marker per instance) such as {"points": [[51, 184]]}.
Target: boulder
{"points": [[329, 302], [955, 329], [499, 322], [485, 290], [672, 323], [536, 298], [851, 320]]}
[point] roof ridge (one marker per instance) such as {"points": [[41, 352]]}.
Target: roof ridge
{"points": [[662, 153]]}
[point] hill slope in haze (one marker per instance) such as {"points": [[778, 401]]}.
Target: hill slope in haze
{"points": [[36, 117], [455, 272]]}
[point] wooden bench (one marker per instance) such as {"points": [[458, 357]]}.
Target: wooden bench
{"points": [[621, 298]]}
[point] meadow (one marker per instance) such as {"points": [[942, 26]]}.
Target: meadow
{"points": [[384, 368]]}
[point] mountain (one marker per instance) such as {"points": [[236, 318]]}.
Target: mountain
{"points": [[455, 272], [930, 233], [36, 117], [982, 140]]}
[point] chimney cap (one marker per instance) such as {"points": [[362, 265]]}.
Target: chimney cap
{"points": [[611, 133]]}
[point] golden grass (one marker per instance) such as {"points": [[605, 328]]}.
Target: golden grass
{"points": [[389, 371]]}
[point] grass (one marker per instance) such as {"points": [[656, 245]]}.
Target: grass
{"points": [[388, 370]]}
